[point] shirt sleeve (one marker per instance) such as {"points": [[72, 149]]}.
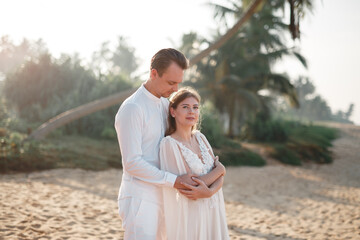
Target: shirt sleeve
{"points": [[129, 129]]}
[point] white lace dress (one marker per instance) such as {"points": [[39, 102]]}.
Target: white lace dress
{"points": [[184, 218]]}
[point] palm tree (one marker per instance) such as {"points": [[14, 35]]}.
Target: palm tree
{"points": [[297, 11], [100, 104], [236, 73]]}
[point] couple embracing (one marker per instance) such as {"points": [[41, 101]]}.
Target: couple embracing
{"points": [[171, 183]]}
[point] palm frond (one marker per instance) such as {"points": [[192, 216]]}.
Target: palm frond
{"points": [[249, 98], [281, 84], [220, 12], [301, 58]]}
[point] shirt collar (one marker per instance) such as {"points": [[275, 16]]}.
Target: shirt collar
{"points": [[149, 94]]}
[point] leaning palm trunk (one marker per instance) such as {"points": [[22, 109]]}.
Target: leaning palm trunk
{"points": [[79, 112], [84, 110]]}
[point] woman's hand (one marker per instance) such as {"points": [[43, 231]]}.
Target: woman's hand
{"points": [[196, 192]]}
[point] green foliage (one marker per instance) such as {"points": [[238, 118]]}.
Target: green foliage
{"points": [[4, 113], [231, 153], [12, 55], [312, 106], [235, 74], [9, 120], [82, 152], [294, 142], [319, 135], [240, 157], [312, 142], [121, 60], [45, 88], [17, 155], [264, 130], [211, 125], [98, 124], [108, 133], [286, 155], [60, 152], [41, 89]]}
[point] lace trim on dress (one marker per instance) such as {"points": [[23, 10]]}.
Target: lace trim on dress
{"points": [[205, 152], [192, 159], [196, 165]]}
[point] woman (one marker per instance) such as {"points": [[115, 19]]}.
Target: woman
{"points": [[185, 150]]}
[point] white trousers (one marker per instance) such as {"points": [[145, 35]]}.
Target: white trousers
{"points": [[141, 219]]}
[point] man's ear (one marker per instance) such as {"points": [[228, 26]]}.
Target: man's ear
{"points": [[154, 74]]}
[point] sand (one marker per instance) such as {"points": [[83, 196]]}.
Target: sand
{"points": [[272, 202]]}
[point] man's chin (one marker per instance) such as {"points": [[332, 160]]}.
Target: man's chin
{"points": [[166, 95]]}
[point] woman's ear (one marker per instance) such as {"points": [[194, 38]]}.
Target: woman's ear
{"points": [[172, 112]]}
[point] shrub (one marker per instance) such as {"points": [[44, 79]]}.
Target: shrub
{"points": [[312, 142], [240, 157], [318, 135], [109, 133], [312, 152], [17, 155], [266, 130], [286, 155]]}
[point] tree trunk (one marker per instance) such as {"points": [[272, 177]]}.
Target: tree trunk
{"points": [[79, 112], [292, 26], [248, 13]]}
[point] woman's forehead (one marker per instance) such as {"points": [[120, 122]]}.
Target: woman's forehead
{"points": [[189, 100]]}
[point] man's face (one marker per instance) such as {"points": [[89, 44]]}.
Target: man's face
{"points": [[169, 80]]}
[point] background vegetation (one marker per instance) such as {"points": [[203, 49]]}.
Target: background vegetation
{"points": [[245, 100]]}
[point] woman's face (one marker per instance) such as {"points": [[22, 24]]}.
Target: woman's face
{"points": [[187, 112]]}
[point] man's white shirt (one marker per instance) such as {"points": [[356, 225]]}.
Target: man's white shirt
{"points": [[140, 125]]}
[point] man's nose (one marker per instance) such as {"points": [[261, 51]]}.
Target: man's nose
{"points": [[175, 88]]}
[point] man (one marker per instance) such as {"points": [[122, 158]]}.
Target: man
{"points": [[140, 125]]}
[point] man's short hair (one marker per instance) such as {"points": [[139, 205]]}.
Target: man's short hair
{"points": [[163, 58]]}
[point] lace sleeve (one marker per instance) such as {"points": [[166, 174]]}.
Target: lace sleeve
{"points": [[170, 157], [175, 205], [202, 136]]}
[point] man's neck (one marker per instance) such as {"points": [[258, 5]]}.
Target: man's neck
{"points": [[149, 86]]}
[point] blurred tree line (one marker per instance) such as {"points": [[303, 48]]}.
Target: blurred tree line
{"points": [[243, 95], [38, 87], [312, 106], [237, 80]]}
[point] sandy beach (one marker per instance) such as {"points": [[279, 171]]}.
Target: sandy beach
{"points": [[272, 202]]}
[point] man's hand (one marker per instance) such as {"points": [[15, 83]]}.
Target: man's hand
{"points": [[195, 192], [185, 179]]}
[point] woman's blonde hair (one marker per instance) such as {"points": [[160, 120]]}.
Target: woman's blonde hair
{"points": [[177, 98]]}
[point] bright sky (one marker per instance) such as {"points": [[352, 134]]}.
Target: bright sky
{"points": [[331, 43], [330, 37]]}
